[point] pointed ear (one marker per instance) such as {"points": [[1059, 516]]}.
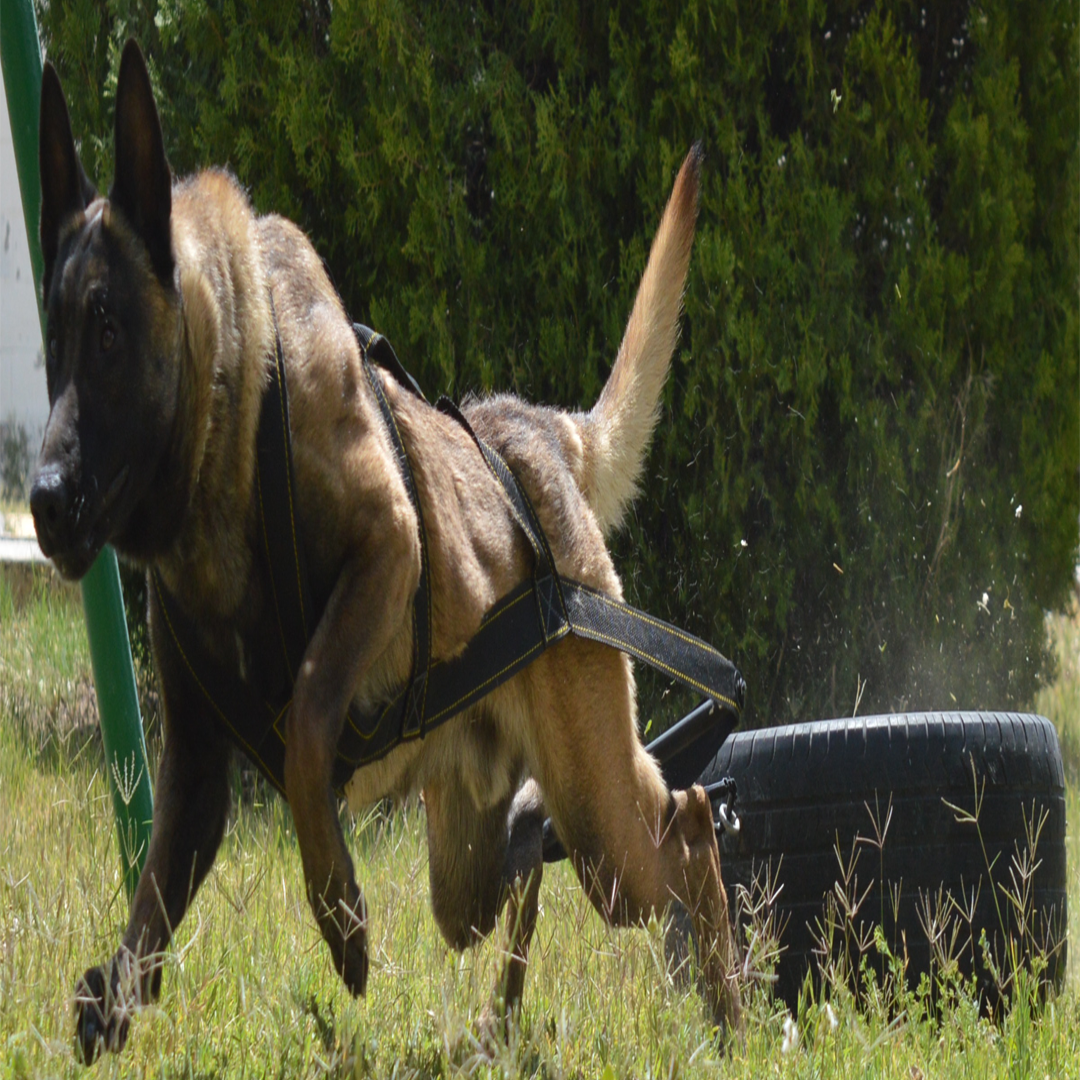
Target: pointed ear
{"points": [[65, 189], [142, 184]]}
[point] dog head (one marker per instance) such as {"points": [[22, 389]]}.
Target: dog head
{"points": [[114, 327]]}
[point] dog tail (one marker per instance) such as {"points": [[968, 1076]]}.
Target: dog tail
{"points": [[617, 431]]}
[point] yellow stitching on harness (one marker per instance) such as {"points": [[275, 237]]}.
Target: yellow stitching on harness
{"points": [[378, 724], [700, 646], [648, 658], [492, 617], [277, 720], [279, 374], [206, 693], [540, 549], [623, 646], [484, 451], [539, 528], [430, 605], [273, 583], [666, 627], [384, 402], [465, 697]]}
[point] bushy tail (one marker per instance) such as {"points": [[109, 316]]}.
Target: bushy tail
{"points": [[617, 432]]}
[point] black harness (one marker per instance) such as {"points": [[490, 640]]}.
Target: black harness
{"points": [[542, 610]]}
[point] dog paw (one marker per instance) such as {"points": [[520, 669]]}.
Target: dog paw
{"points": [[354, 966], [345, 929], [493, 1027], [99, 1023]]}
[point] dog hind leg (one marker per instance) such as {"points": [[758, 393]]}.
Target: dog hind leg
{"points": [[634, 845], [480, 863], [466, 850]]}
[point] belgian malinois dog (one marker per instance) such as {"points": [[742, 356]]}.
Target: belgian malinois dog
{"points": [[162, 303]]}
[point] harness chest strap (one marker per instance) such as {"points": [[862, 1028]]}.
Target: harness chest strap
{"points": [[537, 613]]}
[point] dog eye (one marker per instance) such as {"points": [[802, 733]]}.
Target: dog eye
{"points": [[108, 336]]}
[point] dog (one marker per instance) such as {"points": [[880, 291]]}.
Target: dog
{"points": [[165, 301]]}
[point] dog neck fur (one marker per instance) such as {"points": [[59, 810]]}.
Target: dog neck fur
{"points": [[227, 345]]}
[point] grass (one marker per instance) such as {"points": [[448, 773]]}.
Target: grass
{"points": [[249, 990]]}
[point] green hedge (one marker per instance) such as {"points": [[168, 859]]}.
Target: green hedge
{"points": [[866, 474]]}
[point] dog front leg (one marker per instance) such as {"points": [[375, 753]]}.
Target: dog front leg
{"points": [[190, 807], [364, 612]]}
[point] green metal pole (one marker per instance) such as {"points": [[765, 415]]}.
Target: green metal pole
{"points": [[110, 650], [118, 707], [21, 56]]}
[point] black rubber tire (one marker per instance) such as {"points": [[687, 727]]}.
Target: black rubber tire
{"points": [[804, 792]]}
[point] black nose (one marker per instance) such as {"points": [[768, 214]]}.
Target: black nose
{"points": [[50, 503]]}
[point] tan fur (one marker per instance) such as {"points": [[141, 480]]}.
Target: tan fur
{"points": [[619, 428], [568, 720]]}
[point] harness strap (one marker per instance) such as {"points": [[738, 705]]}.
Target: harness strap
{"points": [[564, 604], [379, 351], [547, 584], [414, 703], [251, 723], [277, 515]]}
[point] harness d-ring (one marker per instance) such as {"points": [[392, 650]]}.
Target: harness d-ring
{"points": [[729, 820]]}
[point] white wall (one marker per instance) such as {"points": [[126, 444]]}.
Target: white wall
{"points": [[22, 378]]}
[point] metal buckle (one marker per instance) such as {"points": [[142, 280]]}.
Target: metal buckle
{"points": [[729, 820]]}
